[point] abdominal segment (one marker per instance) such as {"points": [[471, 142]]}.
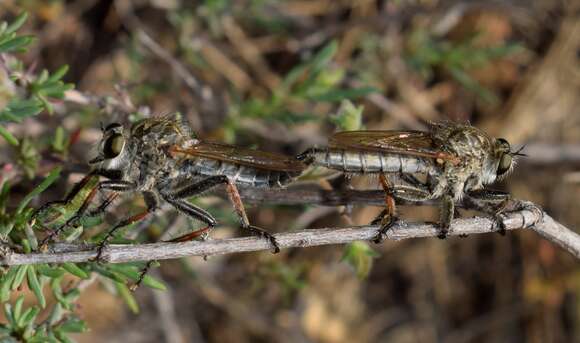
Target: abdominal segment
{"points": [[370, 162], [239, 174]]}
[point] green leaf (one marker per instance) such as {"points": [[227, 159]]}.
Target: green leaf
{"points": [[18, 109], [323, 57], [152, 282], [7, 280], [75, 270], [16, 44], [9, 314], [314, 65], [28, 316], [58, 141], [127, 296], [334, 95], [18, 309], [56, 314], [57, 292], [73, 325], [130, 272], [49, 180], [8, 136], [20, 274], [348, 117], [108, 273], [58, 74], [17, 24], [51, 272], [360, 256], [35, 286]]}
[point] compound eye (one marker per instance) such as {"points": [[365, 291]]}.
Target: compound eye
{"points": [[504, 164], [113, 146], [504, 144]]}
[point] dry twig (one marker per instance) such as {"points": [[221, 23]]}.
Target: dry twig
{"points": [[525, 218]]}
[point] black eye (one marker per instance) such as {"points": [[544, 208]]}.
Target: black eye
{"points": [[504, 144], [504, 164], [113, 146]]}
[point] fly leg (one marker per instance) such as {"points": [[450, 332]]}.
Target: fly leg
{"points": [[152, 204], [236, 200], [446, 213], [77, 188], [113, 185], [388, 216], [490, 202], [193, 212], [189, 210], [405, 192]]}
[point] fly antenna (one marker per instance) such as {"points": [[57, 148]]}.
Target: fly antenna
{"points": [[519, 153]]}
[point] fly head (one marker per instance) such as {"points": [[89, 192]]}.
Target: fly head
{"points": [[503, 160], [112, 149]]}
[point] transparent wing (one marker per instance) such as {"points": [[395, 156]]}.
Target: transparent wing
{"points": [[415, 143], [247, 157]]}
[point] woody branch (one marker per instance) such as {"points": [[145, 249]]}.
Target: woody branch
{"points": [[529, 217]]}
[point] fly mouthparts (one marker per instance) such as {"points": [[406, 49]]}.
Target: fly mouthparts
{"points": [[96, 160]]}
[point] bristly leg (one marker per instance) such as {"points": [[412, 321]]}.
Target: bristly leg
{"points": [[491, 202], [447, 210], [388, 217], [234, 195], [184, 238], [113, 184], [413, 193], [152, 204], [236, 200], [142, 275]]}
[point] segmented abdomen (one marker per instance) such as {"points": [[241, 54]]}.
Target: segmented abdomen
{"points": [[370, 162], [240, 174]]}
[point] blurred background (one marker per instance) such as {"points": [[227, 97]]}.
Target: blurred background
{"points": [[277, 75]]}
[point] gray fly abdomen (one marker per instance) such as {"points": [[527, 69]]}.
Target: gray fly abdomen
{"points": [[240, 174], [370, 162]]}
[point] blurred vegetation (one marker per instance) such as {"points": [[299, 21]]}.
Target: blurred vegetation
{"points": [[282, 76]]}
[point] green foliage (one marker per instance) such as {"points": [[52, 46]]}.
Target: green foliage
{"points": [[22, 325], [360, 256], [289, 277], [348, 117], [16, 229], [38, 90], [426, 53], [9, 40], [315, 80]]}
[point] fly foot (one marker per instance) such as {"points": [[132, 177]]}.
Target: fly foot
{"points": [[100, 250], [265, 234], [387, 222], [443, 232], [499, 224]]}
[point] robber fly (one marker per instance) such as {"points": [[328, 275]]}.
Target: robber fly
{"points": [[159, 158], [457, 160]]}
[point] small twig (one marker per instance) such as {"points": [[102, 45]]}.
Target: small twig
{"points": [[528, 217]]}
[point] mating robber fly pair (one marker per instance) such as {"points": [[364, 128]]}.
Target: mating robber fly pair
{"points": [[159, 158]]}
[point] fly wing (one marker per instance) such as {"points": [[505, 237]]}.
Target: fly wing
{"points": [[246, 157], [415, 143]]}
